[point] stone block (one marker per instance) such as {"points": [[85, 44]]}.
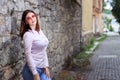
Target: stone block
{"points": [[2, 20], [27, 5], [19, 5], [8, 24], [8, 73], [33, 2], [3, 9]]}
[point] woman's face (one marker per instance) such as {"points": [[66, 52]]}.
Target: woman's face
{"points": [[31, 20]]}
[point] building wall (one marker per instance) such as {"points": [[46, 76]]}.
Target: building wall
{"points": [[87, 16], [100, 16], [100, 24], [97, 13], [60, 20]]}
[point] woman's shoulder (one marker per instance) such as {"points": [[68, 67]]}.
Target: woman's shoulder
{"points": [[41, 31], [27, 33]]}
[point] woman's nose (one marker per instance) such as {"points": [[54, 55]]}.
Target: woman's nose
{"points": [[32, 19]]}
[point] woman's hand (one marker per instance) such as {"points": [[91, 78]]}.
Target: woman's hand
{"points": [[47, 72], [36, 77]]}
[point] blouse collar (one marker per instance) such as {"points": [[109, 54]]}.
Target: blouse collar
{"points": [[32, 30]]}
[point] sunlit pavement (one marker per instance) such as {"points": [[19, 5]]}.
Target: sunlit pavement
{"points": [[105, 62]]}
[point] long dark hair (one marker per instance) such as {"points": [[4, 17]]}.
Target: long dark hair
{"points": [[25, 27]]}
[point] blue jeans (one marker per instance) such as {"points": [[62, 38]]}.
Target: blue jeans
{"points": [[27, 74]]}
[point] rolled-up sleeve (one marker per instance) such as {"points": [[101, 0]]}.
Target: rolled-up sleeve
{"points": [[27, 40]]}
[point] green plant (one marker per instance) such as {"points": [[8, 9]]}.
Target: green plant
{"points": [[108, 23], [90, 45], [116, 9], [107, 11], [111, 29], [83, 57], [104, 36]]}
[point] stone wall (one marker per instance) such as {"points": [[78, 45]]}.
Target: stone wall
{"points": [[60, 20]]}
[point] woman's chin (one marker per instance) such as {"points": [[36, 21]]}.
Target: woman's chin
{"points": [[33, 24]]}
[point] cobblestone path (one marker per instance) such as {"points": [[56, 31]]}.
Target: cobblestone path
{"points": [[105, 62]]}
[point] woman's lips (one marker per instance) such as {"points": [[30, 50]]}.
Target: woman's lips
{"points": [[33, 22]]}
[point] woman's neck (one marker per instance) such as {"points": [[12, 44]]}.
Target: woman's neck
{"points": [[32, 27]]}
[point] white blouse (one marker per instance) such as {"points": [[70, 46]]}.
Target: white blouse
{"points": [[35, 44]]}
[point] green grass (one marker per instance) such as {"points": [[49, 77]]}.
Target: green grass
{"points": [[84, 56], [102, 38], [87, 47]]}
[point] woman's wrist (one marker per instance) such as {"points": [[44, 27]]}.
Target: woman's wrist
{"points": [[46, 68], [36, 77], [47, 72]]}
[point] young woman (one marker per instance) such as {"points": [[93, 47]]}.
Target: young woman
{"points": [[35, 45]]}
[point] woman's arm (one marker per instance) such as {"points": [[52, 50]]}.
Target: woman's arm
{"points": [[27, 39]]}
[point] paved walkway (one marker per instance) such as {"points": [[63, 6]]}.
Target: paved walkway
{"points": [[105, 63]]}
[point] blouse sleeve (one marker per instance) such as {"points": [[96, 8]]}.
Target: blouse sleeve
{"points": [[27, 40], [46, 60]]}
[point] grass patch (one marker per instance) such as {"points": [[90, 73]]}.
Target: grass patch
{"points": [[104, 36], [82, 59], [84, 56], [87, 47]]}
